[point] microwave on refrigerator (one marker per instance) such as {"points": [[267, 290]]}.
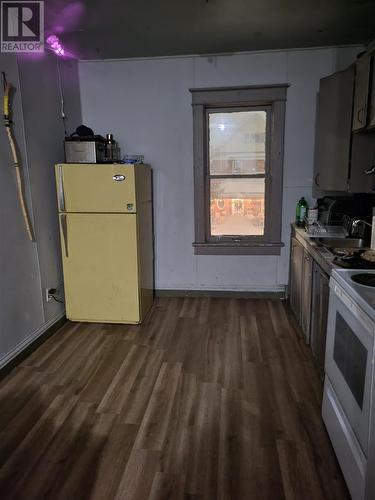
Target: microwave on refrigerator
{"points": [[85, 150]]}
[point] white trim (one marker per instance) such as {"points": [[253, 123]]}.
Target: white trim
{"points": [[28, 340], [217, 54], [224, 288]]}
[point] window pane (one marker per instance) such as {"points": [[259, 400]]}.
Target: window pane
{"points": [[237, 142], [237, 207]]}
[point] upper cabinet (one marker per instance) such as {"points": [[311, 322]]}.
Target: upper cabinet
{"points": [[362, 105], [345, 130], [362, 178], [371, 113], [333, 131]]}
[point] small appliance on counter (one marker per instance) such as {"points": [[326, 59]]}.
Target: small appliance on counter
{"points": [[91, 149], [83, 146]]}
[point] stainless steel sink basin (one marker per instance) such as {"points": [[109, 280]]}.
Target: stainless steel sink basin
{"points": [[343, 242]]}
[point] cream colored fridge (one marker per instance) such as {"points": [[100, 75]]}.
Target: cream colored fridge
{"points": [[105, 217]]}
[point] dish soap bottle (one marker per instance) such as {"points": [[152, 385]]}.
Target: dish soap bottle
{"points": [[301, 212]]}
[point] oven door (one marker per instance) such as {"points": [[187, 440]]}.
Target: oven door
{"points": [[348, 361]]}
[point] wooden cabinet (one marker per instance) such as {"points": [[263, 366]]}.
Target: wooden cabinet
{"points": [[296, 267], [362, 164], [361, 180], [306, 286], [319, 316], [371, 107], [361, 92], [333, 131], [344, 159], [309, 298], [300, 286]]}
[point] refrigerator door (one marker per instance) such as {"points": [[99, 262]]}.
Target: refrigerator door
{"points": [[100, 263], [95, 188]]}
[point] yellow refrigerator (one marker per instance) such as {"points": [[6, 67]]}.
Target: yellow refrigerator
{"points": [[106, 233]]}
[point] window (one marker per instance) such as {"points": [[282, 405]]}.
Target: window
{"points": [[238, 150]]}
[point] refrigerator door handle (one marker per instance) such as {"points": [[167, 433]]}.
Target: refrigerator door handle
{"points": [[118, 177], [64, 230], [61, 193]]}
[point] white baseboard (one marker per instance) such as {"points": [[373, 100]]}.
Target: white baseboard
{"points": [[5, 359], [229, 288]]}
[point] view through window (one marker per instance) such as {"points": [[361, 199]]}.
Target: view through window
{"points": [[237, 152], [238, 146]]}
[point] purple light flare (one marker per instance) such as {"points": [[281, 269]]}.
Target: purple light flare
{"points": [[55, 44]]}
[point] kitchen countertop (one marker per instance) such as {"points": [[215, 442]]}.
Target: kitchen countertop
{"points": [[317, 251]]}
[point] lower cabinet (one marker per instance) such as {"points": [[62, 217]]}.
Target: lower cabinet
{"points": [[319, 316], [309, 297], [307, 273], [300, 286], [296, 267]]}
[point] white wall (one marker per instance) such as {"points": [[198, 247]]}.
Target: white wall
{"points": [[146, 103], [20, 299], [27, 268]]}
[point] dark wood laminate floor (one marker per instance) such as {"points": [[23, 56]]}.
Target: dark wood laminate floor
{"points": [[208, 399]]}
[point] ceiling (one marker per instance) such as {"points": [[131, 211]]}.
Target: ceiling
{"points": [[101, 29]]}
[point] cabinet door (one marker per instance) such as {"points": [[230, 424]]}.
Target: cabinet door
{"points": [[319, 316], [333, 131], [361, 180], [371, 110], [100, 261], [361, 92], [296, 266], [306, 295]]}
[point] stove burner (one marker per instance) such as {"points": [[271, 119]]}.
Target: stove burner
{"points": [[353, 261], [342, 252], [366, 279]]}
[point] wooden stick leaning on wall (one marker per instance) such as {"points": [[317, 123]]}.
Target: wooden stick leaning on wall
{"points": [[17, 166]]}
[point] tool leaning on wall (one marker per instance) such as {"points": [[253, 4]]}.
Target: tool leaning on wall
{"points": [[17, 166]]}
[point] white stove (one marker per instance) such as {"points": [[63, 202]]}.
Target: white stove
{"points": [[363, 295], [348, 400]]}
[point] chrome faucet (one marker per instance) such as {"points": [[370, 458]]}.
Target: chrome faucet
{"points": [[356, 222]]}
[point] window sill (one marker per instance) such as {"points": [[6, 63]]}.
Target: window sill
{"points": [[228, 248]]}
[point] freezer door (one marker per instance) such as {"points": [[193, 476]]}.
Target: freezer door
{"points": [[95, 188], [100, 263]]}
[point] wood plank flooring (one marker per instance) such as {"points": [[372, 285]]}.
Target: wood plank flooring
{"points": [[210, 398]]}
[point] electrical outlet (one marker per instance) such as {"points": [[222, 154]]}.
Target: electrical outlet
{"points": [[49, 294]]}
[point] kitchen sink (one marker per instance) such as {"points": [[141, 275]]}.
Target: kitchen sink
{"points": [[343, 242]]}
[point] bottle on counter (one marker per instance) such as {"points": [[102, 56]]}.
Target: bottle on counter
{"points": [[112, 149], [301, 212]]}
